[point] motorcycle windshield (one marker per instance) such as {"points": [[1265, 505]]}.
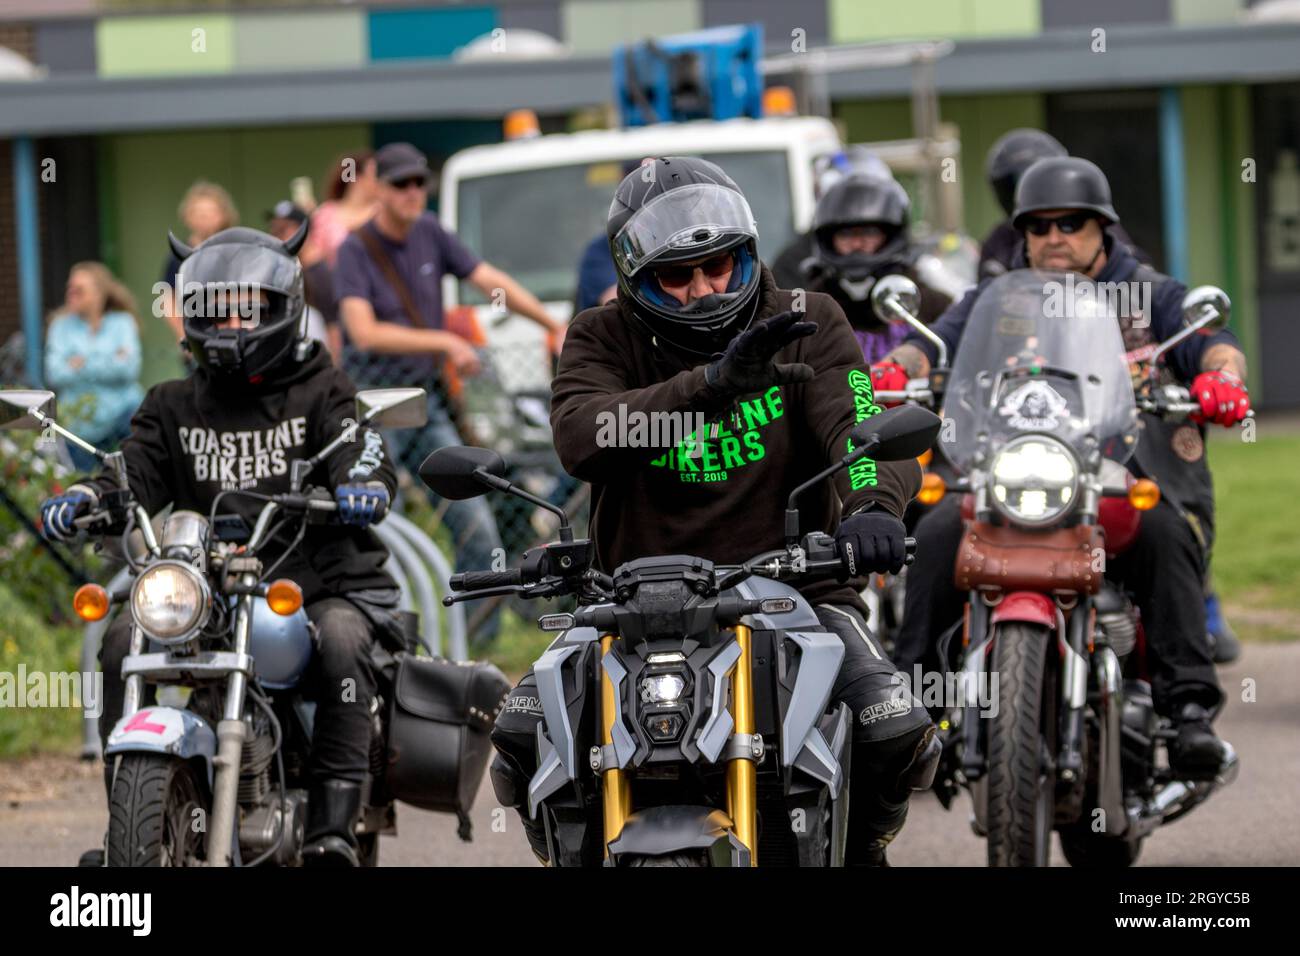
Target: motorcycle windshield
{"points": [[1042, 352]]}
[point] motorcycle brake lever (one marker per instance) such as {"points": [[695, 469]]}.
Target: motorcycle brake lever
{"points": [[459, 596]]}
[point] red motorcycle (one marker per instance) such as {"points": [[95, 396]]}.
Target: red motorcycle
{"points": [[1054, 726]]}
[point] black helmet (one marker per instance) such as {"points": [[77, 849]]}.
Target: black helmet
{"points": [[855, 201], [242, 260], [1012, 154], [1065, 182], [679, 209]]}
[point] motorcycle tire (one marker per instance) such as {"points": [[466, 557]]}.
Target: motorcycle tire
{"points": [[1084, 848], [152, 813], [691, 859], [1021, 741]]}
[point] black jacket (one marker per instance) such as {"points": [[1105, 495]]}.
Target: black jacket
{"points": [[195, 437]]}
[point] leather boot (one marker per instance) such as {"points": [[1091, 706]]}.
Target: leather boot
{"points": [[1196, 753], [332, 810]]}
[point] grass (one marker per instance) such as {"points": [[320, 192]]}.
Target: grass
{"points": [[26, 639], [1257, 551]]}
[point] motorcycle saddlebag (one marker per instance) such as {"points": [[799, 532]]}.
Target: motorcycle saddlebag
{"points": [[1061, 560], [439, 719]]}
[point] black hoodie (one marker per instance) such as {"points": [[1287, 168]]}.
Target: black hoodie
{"points": [[720, 496], [195, 437]]}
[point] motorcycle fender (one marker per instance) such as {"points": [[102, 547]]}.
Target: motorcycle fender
{"points": [[1028, 607], [658, 831], [164, 730]]}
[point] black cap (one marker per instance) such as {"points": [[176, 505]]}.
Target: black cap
{"points": [[398, 161], [1063, 182], [287, 209]]}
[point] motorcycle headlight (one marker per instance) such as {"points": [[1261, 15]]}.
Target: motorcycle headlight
{"points": [[170, 601], [1034, 480]]}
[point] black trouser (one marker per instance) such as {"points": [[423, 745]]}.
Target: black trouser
{"points": [[339, 678], [1163, 570], [888, 740]]}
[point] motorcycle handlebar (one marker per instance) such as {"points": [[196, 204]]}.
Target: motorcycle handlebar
{"points": [[478, 580]]}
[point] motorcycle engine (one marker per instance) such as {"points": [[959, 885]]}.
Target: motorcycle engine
{"points": [[1137, 740]]}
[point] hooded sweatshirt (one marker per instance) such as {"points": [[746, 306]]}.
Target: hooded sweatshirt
{"points": [[195, 437], [719, 492]]}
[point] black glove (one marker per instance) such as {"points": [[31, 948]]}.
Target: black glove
{"points": [[747, 365], [872, 541]]}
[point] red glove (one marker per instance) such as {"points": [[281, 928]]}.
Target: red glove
{"points": [[1223, 397], [888, 376]]}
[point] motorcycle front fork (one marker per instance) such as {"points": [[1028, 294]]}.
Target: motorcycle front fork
{"points": [[1075, 652], [230, 743], [742, 775]]}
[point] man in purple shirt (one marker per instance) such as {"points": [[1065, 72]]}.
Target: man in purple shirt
{"points": [[397, 336]]}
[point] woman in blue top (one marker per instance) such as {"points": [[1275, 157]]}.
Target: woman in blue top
{"points": [[92, 359]]}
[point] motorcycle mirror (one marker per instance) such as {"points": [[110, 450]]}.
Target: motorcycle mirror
{"points": [[897, 434], [457, 472], [1206, 308], [892, 295], [393, 407], [17, 406]]}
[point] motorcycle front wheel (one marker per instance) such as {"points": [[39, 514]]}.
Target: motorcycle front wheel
{"points": [[1021, 748], [158, 813]]}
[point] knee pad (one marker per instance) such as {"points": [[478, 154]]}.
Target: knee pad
{"points": [[919, 773], [508, 782]]}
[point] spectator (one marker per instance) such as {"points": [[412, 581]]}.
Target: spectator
{"points": [[206, 209], [388, 282], [283, 221], [92, 359], [352, 196]]}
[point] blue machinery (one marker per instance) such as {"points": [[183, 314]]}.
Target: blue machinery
{"points": [[711, 74]]}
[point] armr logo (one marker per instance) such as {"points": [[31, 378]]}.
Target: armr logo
{"points": [[134, 910]]}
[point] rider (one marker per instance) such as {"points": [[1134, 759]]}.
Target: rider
{"points": [[1063, 209], [788, 266], [1008, 158], [263, 394], [699, 325], [860, 230]]}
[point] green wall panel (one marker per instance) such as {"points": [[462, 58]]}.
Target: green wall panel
{"points": [[979, 119], [596, 26], [856, 20], [288, 41], [138, 46], [1205, 11]]}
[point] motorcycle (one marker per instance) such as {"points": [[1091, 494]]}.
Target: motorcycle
{"points": [[685, 704], [1040, 416], [215, 773]]}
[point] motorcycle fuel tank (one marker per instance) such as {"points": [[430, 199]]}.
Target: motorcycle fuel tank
{"points": [[281, 646]]}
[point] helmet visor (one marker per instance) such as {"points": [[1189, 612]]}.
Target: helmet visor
{"points": [[684, 223]]}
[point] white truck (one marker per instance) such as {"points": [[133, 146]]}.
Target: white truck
{"points": [[532, 206]]}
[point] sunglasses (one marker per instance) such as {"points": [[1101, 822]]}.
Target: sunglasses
{"points": [[410, 181], [677, 276], [1068, 225]]}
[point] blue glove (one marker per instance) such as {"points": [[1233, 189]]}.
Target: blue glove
{"points": [[872, 541], [362, 504], [58, 513]]}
